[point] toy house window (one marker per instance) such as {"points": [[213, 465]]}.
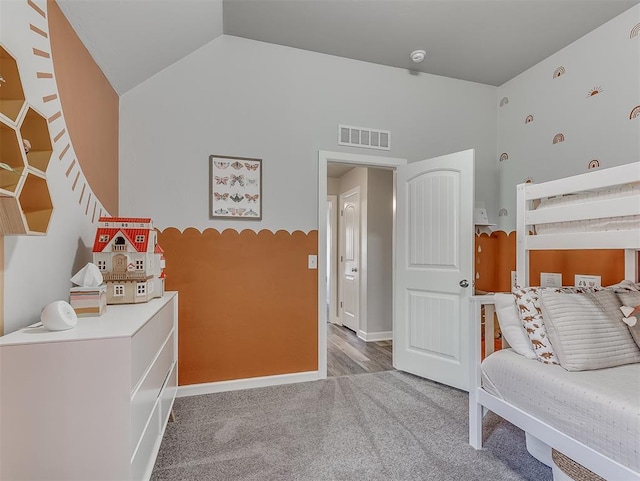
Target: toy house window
{"points": [[102, 265], [139, 238], [118, 290], [139, 264], [104, 237], [141, 288], [119, 244]]}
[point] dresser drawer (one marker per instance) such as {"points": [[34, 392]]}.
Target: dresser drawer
{"points": [[144, 399], [146, 343], [143, 459], [168, 393]]}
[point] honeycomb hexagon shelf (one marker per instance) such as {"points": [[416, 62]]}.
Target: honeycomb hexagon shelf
{"points": [[25, 149]]}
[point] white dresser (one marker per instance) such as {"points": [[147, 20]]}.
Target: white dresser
{"points": [[92, 402]]}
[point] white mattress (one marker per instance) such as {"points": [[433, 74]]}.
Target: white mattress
{"points": [[600, 408]]}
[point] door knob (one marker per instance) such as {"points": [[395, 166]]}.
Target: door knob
{"points": [[354, 269], [464, 283]]}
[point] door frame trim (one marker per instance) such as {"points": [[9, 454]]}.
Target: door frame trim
{"points": [[333, 285], [325, 157]]}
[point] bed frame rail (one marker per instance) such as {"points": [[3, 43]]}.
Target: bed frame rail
{"points": [[588, 209]]}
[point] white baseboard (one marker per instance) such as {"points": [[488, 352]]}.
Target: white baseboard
{"points": [[375, 336], [249, 383]]}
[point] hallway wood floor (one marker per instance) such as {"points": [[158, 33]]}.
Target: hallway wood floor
{"points": [[348, 354]]}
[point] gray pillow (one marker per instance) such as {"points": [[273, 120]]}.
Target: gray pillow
{"points": [[632, 299], [586, 330]]}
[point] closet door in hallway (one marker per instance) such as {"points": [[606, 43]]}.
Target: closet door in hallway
{"points": [[349, 282]]}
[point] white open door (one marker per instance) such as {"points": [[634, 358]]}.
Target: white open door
{"points": [[434, 268], [350, 259]]}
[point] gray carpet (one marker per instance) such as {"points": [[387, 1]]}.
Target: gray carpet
{"points": [[379, 426]]}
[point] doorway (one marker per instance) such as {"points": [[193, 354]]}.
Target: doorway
{"points": [[432, 265], [351, 161]]}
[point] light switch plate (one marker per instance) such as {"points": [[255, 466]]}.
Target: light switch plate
{"points": [[583, 280], [514, 279], [313, 261], [550, 279]]}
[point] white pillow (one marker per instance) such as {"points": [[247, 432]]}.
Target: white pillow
{"points": [[511, 326], [586, 330]]}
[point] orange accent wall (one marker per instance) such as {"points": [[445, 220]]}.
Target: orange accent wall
{"points": [[248, 303], [498, 258], [90, 106]]}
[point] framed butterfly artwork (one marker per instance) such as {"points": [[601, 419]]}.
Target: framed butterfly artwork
{"points": [[235, 188]]}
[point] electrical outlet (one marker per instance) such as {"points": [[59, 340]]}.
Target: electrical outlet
{"points": [[313, 261], [550, 279], [514, 279], [583, 280]]}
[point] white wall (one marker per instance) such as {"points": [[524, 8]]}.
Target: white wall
{"points": [[38, 268], [595, 127], [379, 251], [333, 186], [245, 98]]}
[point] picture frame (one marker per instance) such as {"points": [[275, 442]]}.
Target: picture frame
{"points": [[235, 188]]}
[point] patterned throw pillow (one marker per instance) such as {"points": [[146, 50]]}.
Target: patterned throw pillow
{"points": [[530, 312]]}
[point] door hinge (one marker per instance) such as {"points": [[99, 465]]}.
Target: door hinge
{"points": [[340, 303], [341, 259], [341, 213]]}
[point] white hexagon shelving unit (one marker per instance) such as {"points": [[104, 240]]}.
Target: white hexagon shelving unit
{"points": [[25, 200]]}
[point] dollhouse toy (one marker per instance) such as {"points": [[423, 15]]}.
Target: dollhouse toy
{"points": [[130, 260]]}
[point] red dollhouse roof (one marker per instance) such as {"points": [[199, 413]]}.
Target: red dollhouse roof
{"points": [[158, 250], [137, 220], [129, 234], [162, 275]]}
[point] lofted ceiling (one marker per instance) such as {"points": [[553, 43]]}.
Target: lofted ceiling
{"points": [[486, 41]]}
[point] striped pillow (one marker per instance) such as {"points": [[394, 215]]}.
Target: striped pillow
{"points": [[587, 331]]}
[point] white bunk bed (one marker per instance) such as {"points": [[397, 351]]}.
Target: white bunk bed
{"points": [[582, 211]]}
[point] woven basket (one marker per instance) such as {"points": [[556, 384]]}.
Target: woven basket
{"points": [[575, 471]]}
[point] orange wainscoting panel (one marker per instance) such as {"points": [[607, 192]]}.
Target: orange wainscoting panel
{"points": [[248, 303], [499, 251]]}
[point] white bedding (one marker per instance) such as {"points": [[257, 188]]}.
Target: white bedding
{"points": [[600, 408]]}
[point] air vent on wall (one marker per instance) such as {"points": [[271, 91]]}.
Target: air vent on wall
{"points": [[363, 137]]}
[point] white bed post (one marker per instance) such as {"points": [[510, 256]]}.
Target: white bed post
{"points": [[522, 253], [631, 265], [475, 408]]}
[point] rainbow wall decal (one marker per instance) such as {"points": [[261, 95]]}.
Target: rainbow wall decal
{"points": [[594, 164], [635, 31], [503, 212], [529, 119], [504, 101], [594, 91], [504, 157], [558, 138], [635, 112], [528, 180], [558, 72]]}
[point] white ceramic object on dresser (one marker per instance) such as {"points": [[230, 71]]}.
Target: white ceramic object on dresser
{"points": [[91, 402]]}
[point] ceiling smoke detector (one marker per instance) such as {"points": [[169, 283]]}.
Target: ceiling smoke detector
{"points": [[418, 55]]}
